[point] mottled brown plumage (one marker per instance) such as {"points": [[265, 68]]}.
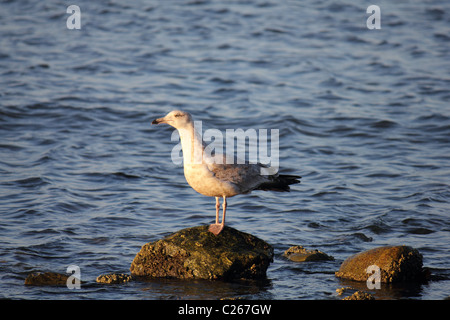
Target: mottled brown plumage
{"points": [[219, 176]]}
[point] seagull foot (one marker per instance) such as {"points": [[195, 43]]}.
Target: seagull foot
{"points": [[215, 228]]}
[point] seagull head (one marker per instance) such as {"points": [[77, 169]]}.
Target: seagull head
{"points": [[177, 119]]}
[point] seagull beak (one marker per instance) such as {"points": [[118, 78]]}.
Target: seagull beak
{"points": [[160, 120]]}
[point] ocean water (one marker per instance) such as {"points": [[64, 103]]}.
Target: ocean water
{"points": [[363, 116]]}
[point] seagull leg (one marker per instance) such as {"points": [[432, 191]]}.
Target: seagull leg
{"points": [[224, 210], [218, 227], [217, 210]]}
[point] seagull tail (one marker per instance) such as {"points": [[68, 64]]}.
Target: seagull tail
{"points": [[280, 183]]}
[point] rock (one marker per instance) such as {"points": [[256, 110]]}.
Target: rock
{"points": [[46, 279], [360, 295], [396, 263], [113, 278], [195, 253], [357, 295], [340, 291], [300, 254]]}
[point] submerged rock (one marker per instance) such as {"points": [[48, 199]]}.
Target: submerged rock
{"points": [[46, 279], [360, 295], [300, 254], [195, 253], [113, 278], [396, 263], [341, 291], [356, 294]]}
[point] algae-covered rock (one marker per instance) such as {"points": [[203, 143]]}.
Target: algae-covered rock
{"points": [[355, 294], [46, 279], [300, 254], [113, 278], [196, 253], [396, 263], [360, 295], [340, 291]]}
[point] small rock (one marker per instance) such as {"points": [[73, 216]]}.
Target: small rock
{"points": [[396, 263], [354, 294], [46, 279], [360, 295], [196, 253], [300, 254], [113, 278], [340, 291]]}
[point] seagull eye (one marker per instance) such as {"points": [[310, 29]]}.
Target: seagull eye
{"points": [[178, 115]]}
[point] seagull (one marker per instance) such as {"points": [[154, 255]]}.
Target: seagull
{"points": [[219, 175]]}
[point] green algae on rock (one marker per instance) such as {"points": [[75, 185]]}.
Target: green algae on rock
{"points": [[360, 295], [396, 263], [195, 253], [355, 294], [46, 279], [113, 278], [300, 254]]}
